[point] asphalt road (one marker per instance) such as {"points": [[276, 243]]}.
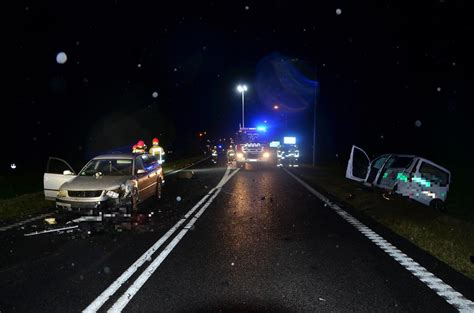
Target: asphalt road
{"points": [[257, 242]]}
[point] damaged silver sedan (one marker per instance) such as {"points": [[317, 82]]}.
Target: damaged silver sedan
{"points": [[108, 184]]}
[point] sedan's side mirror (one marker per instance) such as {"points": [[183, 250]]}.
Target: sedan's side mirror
{"points": [[140, 171], [68, 172]]}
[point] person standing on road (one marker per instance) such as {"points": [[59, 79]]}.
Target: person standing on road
{"points": [[157, 151], [230, 154], [140, 147]]}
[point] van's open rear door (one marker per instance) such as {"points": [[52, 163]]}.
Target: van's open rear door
{"points": [[54, 177], [358, 165]]}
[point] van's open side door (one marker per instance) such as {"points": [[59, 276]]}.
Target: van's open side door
{"points": [[57, 173], [358, 165]]}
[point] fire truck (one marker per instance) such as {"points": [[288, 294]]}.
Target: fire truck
{"points": [[252, 147]]}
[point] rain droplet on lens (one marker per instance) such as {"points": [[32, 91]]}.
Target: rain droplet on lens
{"points": [[61, 58]]}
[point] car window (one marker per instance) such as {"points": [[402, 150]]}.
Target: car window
{"points": [[139, 164], [108, 167], [149, 162], [434, 174], [399, 162], [379, 162], [56, 166]]}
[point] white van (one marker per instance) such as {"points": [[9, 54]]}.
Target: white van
{"points": [[408, 175]]}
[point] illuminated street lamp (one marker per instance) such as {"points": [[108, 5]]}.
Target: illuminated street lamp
{"points": [[276, 107], [242, 89]]}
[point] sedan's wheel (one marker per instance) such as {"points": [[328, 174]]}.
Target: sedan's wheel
{"points": [[134, 201]]}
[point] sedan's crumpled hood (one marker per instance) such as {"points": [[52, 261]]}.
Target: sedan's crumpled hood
{"points": [[93, 183]]}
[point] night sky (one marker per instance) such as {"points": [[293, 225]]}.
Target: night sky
{"points": [[392, 77]]}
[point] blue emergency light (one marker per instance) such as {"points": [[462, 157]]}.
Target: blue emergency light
{"points": [[261, 128]]}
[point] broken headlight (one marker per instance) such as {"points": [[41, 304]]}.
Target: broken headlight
{"points": [[114, 194]]}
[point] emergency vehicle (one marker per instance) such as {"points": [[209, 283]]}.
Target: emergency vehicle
{"points": [[252, 147]]}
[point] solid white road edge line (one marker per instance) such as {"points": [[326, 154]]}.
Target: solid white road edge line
{"points": [[112, 289], [456, 299], [120, 304]]}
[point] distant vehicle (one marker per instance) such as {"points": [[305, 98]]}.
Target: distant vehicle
{"points": [[113, 183], [253, 147], [408, 175]]}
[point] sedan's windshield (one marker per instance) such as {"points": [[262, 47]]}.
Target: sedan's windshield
{"points": [[105, 167]]}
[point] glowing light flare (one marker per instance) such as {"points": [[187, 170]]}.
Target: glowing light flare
{"points": [[242, 88]]}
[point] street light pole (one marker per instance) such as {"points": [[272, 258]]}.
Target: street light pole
{"points": [[242, 89], [243, 109]]}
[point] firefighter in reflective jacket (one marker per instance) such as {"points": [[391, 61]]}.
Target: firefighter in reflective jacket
{"points": [[140, 147], [157, 151]]}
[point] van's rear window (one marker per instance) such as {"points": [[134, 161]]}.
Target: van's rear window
{"points": [[401, 162]]}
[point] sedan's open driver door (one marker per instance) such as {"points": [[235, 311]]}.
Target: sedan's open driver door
{"points": [[358, 165], [57, 173]]}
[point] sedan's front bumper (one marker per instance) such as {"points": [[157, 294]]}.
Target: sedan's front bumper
{"points": [[88, 207]]}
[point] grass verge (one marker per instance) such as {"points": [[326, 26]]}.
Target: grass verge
{"points": [[21, 207], [445, 236]]}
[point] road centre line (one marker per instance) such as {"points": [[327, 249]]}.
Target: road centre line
{"points": [[183, 168], [112, 289], [442, 289], [120, 304]]}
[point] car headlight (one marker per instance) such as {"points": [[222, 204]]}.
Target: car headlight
{"points": [[266, 155], [114, 194], [62, 193], [240, 155]]}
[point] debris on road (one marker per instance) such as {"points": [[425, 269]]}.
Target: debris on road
{"points": [[50, 221], [50, 231], [185, 174], [350, 196]]}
